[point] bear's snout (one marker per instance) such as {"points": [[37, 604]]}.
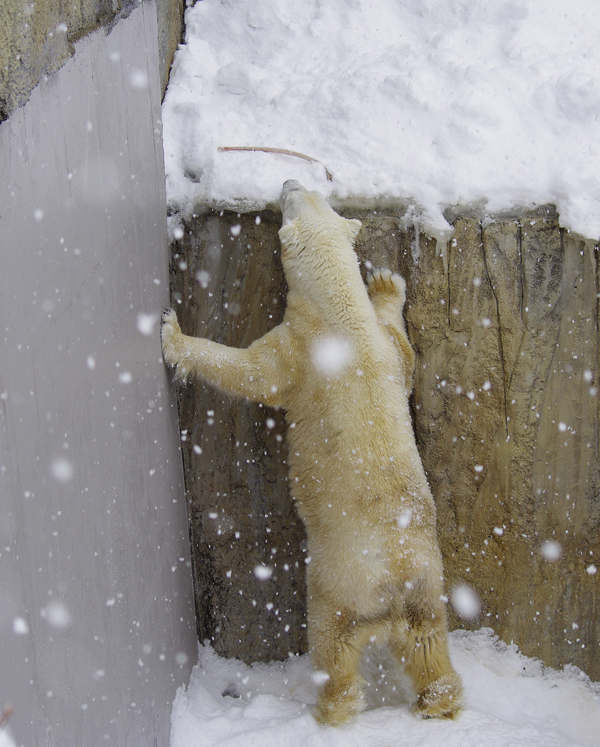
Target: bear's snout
{"points": [[291, 185], [289, 207]]}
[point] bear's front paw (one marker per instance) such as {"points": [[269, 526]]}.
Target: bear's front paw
{"points": [[170, 336], [387, 284]]}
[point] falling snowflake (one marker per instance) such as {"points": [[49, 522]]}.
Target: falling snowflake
{"points": [[62, 470], [465, 602], [263, 572], [146, 323], [551, 550], [331, 355]]}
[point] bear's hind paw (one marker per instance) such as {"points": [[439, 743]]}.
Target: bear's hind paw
{"points": [[339, 704], [441, 699]]}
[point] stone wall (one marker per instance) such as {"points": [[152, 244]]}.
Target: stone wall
{"points": [[37, 38], [504, 321], [505, 324], [231, 288]]}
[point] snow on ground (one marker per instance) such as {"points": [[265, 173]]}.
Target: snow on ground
{"points": [[426, 103], [6, 739], [511, 701]]}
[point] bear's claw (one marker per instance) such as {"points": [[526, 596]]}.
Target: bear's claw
{"points": [[169, 332], [383, 282]]}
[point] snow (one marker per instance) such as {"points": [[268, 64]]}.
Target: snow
{"points": [[418, 105], [6, 739], [465, 602], [511, 701]]}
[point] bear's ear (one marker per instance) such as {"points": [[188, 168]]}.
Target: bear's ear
{"points": [[288, 233], [353, 227]]}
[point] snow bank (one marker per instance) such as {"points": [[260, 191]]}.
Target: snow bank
{"points": [[511, 700], [426, 103]]}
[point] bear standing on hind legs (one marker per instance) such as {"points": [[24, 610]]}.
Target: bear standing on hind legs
{"points": [[340, 365]]}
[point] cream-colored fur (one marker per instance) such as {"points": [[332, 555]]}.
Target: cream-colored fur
{"points": [[341, 366]]}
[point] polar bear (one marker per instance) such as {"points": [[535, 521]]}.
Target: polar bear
{"points": [[340, 365]]}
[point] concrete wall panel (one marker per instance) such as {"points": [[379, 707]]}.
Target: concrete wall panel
{"points": [[36, 38], [96, 620]]}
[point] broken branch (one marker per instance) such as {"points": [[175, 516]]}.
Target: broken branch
{"points": [[278, 151]]}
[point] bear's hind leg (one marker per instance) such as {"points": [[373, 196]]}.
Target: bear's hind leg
{"points": [[336, 641], [420, 645]]}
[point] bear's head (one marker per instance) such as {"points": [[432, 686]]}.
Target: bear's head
{"points": [[307, 213], [317, 248]]}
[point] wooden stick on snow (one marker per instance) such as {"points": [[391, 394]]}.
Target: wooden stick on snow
{"points": [[278, 151]]}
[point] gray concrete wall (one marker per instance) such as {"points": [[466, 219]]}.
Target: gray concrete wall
{"points": [[96, 612], [36, 38]]}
